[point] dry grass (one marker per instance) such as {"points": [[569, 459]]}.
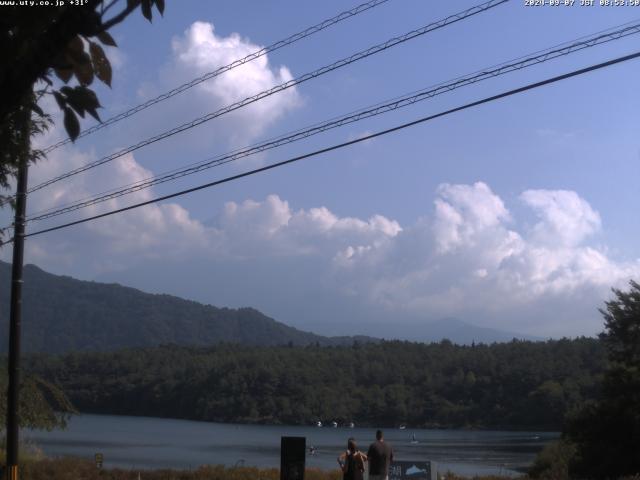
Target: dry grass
{"points": [[77, 469], [68, 468]]}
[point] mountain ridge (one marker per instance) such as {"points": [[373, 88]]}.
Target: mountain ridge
{"points": [[63, 314]]}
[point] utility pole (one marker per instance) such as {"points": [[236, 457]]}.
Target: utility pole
{"points": [[13, 392]]}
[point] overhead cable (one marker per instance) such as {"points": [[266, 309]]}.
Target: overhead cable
{"points": [[508, 93], [283, 86], [378, 109], [236, 63]]}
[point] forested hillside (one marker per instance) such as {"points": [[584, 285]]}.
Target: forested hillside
{"points": [[509, 385], [62, 314]]}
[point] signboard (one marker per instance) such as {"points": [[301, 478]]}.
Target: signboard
{"points": [[99, 458], [293, 451], [406, 470]]}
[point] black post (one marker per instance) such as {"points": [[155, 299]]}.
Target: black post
{"points": [[293, 451], [14, 322]]}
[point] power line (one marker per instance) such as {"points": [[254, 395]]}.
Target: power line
{"points": [[585, 41], [296, 81], [378, 109], [209, 75], [508, 93]]}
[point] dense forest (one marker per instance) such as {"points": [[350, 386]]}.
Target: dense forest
{"points": [[517, 385]]}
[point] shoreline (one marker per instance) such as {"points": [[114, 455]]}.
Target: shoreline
{"points": [[464, 428], [154, 443]]}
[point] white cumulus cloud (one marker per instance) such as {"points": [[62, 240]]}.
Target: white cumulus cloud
{"points": [[564, 216], [469, 260], [464, 212], [200, 50], [467, 257]]}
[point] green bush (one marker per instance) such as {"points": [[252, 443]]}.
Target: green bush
{"points": [[553, 461]]}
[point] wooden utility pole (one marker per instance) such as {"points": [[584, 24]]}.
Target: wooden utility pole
{"points": [[13, 392]]}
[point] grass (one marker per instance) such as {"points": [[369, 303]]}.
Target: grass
{"points": [[35, 466], [68, 468], [79, 469]]}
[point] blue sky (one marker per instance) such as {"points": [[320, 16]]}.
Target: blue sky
{"points": [[517, 214]]}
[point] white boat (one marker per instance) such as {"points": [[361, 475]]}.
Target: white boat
{"points": [[351, 425], [402, 427], [318, 423], [334, 424]]}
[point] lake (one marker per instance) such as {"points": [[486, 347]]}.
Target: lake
{"points": [[142, 442]]}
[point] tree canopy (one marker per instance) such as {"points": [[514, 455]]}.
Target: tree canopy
{"points": [[39, 44], [523, 385], [58, 51], [43, 405], [607, 432]]}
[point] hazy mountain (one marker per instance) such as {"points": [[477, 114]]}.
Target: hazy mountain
{"points": [[465, 333], [63, 314]]}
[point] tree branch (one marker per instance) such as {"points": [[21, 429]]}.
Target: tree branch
{"points": [[121, 16], [106, 9]]}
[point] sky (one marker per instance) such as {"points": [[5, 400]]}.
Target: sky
{"points": [[517, 214]]}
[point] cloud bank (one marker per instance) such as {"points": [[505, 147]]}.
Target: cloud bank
{"points": [[467, 257]]}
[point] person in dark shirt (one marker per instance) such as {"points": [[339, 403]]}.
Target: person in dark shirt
{"points": [[352, 462], [380, 455]]}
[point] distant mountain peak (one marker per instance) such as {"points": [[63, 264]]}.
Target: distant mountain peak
{"points": [[461, 332]]}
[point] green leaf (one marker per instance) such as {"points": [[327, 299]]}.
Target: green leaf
{"points": [[82, 99], [101, 65], [71, 124], [76, 44], [107, 39], [84, 72], [160, 5], [81, 63], [146, 9], [64, 74], [62, 102], [94, 114], [77, 57]]}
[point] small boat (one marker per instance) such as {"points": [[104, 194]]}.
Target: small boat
{"points": [[334, 424], [351, 425], [318, 423], [402, 427]]}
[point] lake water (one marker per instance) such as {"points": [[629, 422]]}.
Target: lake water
{"points": [[141, 442]]}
